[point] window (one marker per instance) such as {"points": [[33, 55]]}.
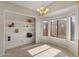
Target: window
{"points": [[58, 28], [72, 20], [45, 28], [62, 28], [54, 28]]}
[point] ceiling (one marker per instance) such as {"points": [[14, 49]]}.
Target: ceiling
{"points": [[34, 5]]}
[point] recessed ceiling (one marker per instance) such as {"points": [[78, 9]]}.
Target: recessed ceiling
{"points": [[34, 5]]}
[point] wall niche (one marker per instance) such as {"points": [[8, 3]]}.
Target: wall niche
{"points": [[16, 27]]}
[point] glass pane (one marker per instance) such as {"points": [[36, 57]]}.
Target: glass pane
{"points": [[45, 28], [54, 28], [62, 28], [72, 27]]}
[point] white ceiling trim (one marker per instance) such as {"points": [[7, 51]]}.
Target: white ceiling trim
{"points": [[33, 5], [61, 11]]}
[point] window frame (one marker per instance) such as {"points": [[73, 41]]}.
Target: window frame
{"points": [[44, 23], [57, 19], [71, 20]]}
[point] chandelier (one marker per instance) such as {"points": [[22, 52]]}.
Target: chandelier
{"points": [[42, 10]]}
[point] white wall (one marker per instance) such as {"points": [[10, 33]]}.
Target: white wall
{"points": [[12, 7], [38, 29], [1, 34]]}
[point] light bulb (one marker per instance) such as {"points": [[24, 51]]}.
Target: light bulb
{"points": [[45, 12], [47, 9], [38, 9], [42, 8], [41, 12]]}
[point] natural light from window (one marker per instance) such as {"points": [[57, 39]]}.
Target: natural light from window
{"points": [[44, 51]]}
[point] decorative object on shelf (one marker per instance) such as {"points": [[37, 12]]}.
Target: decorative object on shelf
{"points": [[42, 10], [9, 38], [29, 35], [27, 26], [16, 30], [11, 25], [29, 20]]}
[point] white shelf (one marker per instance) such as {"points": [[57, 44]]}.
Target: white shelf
{"points": [[10, 21], [23, 26]]}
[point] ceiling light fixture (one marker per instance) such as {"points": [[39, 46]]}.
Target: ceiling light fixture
{"points": [[43, 10]]}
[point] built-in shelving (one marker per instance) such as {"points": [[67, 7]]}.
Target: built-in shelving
{"points": [[18, 32]]}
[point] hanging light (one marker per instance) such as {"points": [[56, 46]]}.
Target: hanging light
{"points": [[43, 10]]}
